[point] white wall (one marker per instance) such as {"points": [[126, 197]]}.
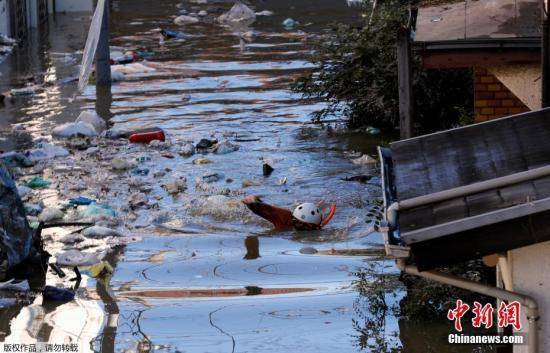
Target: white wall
{"points": [[74, 6], [531, 276], [4, 17]]}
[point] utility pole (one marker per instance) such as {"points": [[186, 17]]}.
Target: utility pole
{"points": [[545, 55], [103, 55], [404, 73]]}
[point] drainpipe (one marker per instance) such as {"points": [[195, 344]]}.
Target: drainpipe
{"points": [[545, 54], [464, 190], [505, 271], [524, 300]]}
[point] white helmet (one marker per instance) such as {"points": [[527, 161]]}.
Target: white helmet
{"points": [[308, 213]]}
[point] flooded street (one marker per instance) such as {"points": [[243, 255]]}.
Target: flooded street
{"points": [[204, 274]]}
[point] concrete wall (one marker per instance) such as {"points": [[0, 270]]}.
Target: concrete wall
{"points": [[492, 98], [531, 276]]}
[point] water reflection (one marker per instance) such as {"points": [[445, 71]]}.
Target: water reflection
{"points": [[252, 245], [108, 297], [194, 290], [104, 100]]}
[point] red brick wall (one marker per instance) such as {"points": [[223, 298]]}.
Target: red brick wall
{"points": [[492, 99]]}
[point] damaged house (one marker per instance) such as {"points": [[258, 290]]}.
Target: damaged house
{"points": [[483, 190]]}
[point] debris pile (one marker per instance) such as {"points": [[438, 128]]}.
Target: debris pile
{"points": [[6, 46]]}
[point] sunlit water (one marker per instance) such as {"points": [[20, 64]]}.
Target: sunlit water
{"points": [[235, 285]]}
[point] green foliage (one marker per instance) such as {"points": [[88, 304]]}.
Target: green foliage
{"points": [[357, 76]]}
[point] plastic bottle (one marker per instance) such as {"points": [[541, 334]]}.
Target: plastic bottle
{"points": [[147, 137]]}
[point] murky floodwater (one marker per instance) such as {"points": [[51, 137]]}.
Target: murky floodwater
{"points": [[203, 280]]}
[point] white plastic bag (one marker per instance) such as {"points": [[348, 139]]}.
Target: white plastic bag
{"points": [[240, 16]]}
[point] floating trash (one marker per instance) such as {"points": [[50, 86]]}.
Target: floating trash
{"points": [[185, 20], [206, 143], [25, 91], [373, 130], [81, 200], [146, 137], [267, 169], [50, 214], [140, 171], [37, 183], [289, 23], [225, 147], [93, 119], [50, 293], [202, 161], [77, 129], [76, 258], [98, 232], [100, 269], [239, 15], [95, 209]]}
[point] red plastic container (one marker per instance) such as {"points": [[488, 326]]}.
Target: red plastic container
{"points": [[146, 137]]}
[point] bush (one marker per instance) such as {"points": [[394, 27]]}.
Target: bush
{"points": [[357, 75]]}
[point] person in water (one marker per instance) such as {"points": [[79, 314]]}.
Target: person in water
{"points": [[306, 216]]}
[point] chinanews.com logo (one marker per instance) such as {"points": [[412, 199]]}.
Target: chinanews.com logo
{"points": [[508, 315]]}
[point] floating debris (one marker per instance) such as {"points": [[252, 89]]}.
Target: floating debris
{"points": [[81, 200], [76, 258], [239, 15], [267, 169], [373, 130], [37, 183], [50, 293], [98, 232], [202, 161], [225, 147], [93, 119], [364, 160], [76, 129], [25, 91], [359, 178], [95, 209], [289, 23], [265, 13], [50, 214], [120, 164], [147, 137], [176, 185], [172, 34], [185, 20], [206, 143]]}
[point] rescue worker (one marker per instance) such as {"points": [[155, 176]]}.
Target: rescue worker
{"points": [[306, 216]]}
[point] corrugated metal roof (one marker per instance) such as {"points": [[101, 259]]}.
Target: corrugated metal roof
{"points": [[508, 213], [481, 19]]}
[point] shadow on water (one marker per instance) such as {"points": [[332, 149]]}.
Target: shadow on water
{"points": [[110, 306], [252, 244]]}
